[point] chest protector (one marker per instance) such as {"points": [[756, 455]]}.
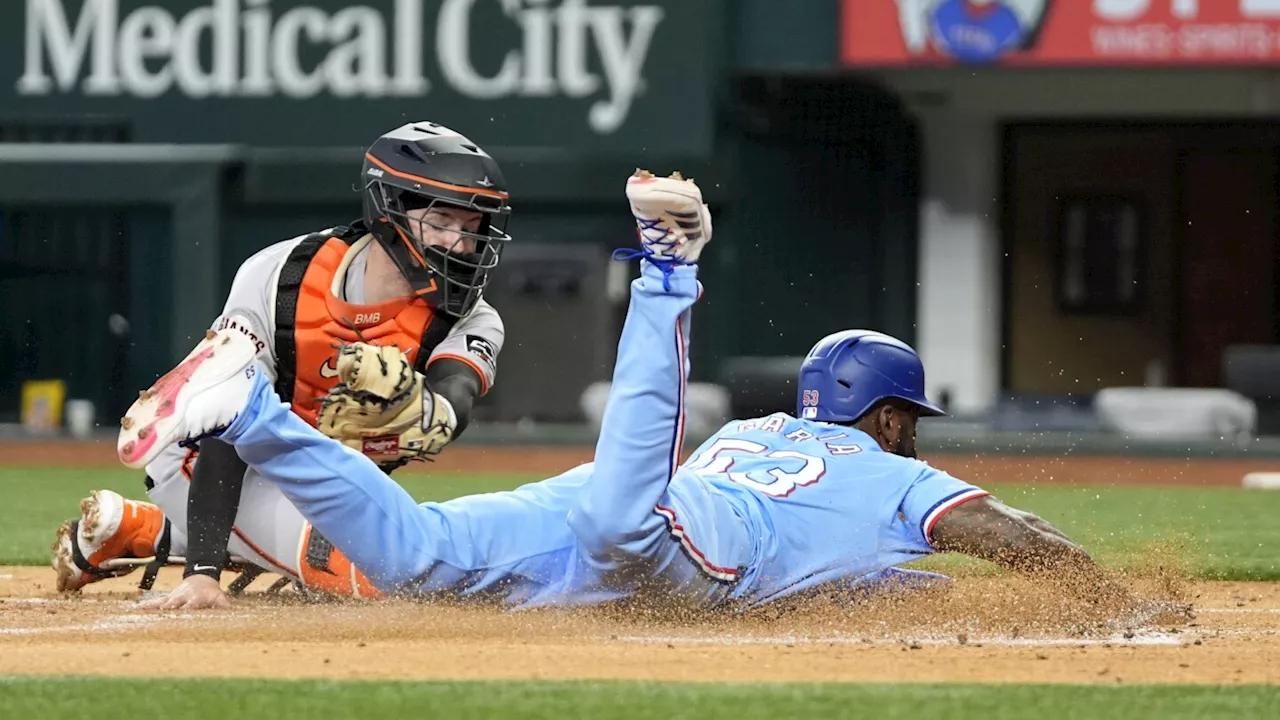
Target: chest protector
{"points": [[311, 321]]}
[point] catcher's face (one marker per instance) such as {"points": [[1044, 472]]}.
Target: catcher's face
{"points": [[444, 227]]}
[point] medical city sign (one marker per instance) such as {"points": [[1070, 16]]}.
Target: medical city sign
{"points": [[483, 56], [1060, 32]]}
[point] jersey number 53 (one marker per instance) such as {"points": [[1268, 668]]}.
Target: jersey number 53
{"points": [[777, 473]]}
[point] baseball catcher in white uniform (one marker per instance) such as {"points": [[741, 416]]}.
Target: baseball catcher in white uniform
{"points": [[406, 280]]}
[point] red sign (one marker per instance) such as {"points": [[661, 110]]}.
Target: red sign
{"points": [[1060, 32]]}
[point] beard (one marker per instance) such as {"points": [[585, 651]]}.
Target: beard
{"points": [[905, 447]]}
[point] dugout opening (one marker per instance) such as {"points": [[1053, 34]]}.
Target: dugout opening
{"points": [[1135, 252]]}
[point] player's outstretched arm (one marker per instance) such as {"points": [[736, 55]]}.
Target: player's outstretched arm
{"points": [[988, 529]]}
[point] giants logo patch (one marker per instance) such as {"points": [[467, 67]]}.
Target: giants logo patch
{"points": [[483, 348], [241, 323]]}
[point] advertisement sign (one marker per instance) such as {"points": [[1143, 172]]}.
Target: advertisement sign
{"points": [[1060, 32], [322, 72], [42, 405]]}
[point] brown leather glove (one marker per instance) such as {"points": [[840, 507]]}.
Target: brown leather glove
{"points": [[383, 408]]}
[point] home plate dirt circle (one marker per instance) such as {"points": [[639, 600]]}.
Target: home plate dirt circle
{"points": [[983, 629]]}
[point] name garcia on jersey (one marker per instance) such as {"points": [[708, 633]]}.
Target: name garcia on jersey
{"points": [[778, 423]]}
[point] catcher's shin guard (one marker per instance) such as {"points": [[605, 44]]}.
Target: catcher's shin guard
{"points": [[325, 569]]}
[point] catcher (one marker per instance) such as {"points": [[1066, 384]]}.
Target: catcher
{"points": [[408, 277]]}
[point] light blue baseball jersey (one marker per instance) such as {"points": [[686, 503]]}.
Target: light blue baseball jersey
{"points": [[766, 508], [823, 501]]}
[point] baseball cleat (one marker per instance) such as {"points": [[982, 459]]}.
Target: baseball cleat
{"points": [[198, 398], [109, 527], [671, 219]]}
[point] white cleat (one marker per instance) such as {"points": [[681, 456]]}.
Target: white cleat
{"points": [[198, 398], [673, 222]]}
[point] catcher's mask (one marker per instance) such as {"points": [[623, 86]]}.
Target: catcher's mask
{"points": [[425, 185]]}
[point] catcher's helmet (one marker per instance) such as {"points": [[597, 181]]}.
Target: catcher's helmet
{"points": [[427, 165], [848, 373]]}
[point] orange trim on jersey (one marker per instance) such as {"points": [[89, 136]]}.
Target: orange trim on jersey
{"points": [[484, 383], [436, 183], [284, 569], [187, 461]]}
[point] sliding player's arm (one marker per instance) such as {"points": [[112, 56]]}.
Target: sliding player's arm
{"points": [[951, 515], [988, 529]]}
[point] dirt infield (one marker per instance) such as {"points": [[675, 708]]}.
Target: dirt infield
{"points": [[999, 629], [985, 468], [983, 629]]}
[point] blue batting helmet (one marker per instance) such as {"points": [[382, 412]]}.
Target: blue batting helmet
{"points": [[848, 373]]}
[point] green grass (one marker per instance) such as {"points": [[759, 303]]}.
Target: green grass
{"points": [[106, 698], [34, 500], [1227, 532], [1223, 533]]}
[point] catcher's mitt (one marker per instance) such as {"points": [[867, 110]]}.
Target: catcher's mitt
{"points": [[382, 407]]}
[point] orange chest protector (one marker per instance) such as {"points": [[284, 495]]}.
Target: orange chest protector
{"points": [[311, 322]]}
